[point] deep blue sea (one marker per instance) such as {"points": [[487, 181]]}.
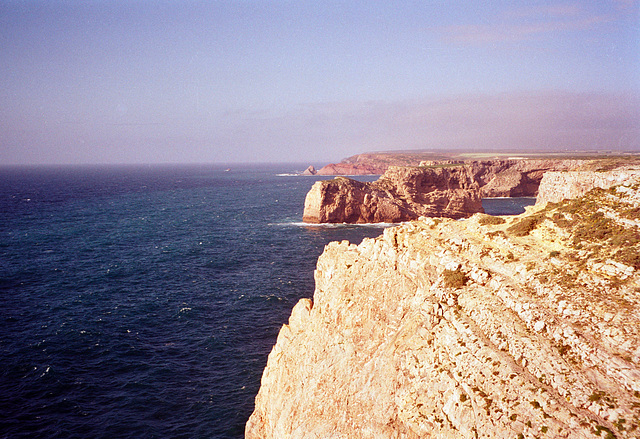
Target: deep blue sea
{"points": [[142, 302]]}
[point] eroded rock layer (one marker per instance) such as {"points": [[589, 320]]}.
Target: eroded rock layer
{"points": [[520, 327], [401, 194]]}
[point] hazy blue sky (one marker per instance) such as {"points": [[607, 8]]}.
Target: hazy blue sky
{"points": [[230, 81]]}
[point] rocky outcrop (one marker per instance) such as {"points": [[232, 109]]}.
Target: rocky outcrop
{"points": [[526, 327], [557, 186], [447, 188], [401, 194], [310, 171]]}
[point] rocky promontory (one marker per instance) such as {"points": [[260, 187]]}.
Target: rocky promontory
{"points": [[401, 194], [445, 188], [377, 163], [491, 327]]}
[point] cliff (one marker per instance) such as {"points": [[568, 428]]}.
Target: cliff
{"points": [[377, 163], [445, 188], [504, 177], [514, 327], [517, 177], [557, 186], [401, 194], [352, 169], [310, 171]]}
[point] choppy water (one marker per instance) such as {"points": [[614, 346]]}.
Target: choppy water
{"points": [[143, 302]]}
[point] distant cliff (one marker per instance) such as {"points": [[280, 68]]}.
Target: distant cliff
{"points": [[401, 194], [520, 176], [513, 327], [377, 163]]}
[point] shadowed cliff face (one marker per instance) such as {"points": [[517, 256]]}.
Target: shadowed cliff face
{"points": [[516, 178], [401, 194], [524, 326]]}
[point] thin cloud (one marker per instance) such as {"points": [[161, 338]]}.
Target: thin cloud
{"points": [[525, 23]]}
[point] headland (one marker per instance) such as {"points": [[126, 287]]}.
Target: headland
{"points": [[524, 326]]}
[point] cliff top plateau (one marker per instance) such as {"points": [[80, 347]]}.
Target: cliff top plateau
{"points": [[490, 327], [376, 163]]}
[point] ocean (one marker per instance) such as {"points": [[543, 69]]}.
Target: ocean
{"points": [[142, 302]]}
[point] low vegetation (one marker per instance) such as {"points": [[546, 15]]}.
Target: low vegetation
{"points": [[489, 220], [592, 226], [524, 226], [454, 278]]}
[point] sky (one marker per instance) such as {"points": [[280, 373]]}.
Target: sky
{"points": [[93, 82]]}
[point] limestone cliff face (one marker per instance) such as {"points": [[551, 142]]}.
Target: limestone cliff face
{"points": [[401, 194], [522, 327], [557, 186]]}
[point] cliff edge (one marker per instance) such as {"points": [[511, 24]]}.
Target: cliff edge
{"points": [[514, 327]]}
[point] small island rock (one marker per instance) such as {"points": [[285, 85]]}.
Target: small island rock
{"points": [[310, 171]]}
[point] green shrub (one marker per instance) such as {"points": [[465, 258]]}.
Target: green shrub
{"points": [[596, 396], [525, 225], [601, 428], [492, 235], [563, 349], [454, 278], [628, 256], [490, 220], [631, 212]]}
